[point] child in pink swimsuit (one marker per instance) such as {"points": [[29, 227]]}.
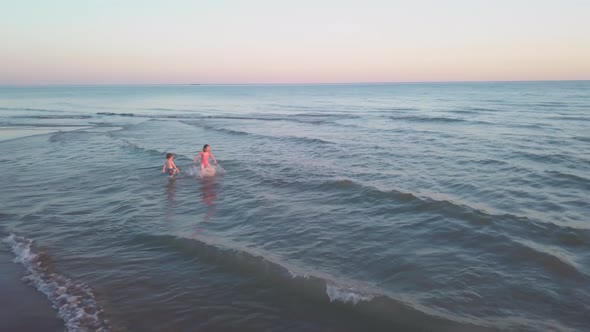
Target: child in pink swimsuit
{"points": [[206, 168]]}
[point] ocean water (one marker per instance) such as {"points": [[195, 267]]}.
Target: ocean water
{"points": [[375, 207]]}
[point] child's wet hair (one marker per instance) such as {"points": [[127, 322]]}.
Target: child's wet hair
{"points": [[205, 147], [169, 155]]}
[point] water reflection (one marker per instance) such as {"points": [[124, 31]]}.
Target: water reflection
{"points": [[208, 198], [171, 201]]}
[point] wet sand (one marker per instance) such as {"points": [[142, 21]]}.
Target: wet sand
{"points": [[24, 309]]}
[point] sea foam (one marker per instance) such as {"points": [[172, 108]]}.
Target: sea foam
{"points": [[74, 301]]}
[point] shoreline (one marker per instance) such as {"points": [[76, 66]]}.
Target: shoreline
{"points": [[24, 309]]}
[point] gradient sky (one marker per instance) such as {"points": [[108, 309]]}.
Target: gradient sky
{"points": [[302, 41]]}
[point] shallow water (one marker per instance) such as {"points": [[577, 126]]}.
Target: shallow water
{"points": [[409, 207]]}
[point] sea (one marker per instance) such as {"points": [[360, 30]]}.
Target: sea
{"points": [[335, 207]]}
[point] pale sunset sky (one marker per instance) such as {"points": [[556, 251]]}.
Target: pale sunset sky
{"points": [[303, 41]]}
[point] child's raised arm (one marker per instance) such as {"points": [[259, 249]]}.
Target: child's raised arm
{"points": [[197, 157], [211, 154]]}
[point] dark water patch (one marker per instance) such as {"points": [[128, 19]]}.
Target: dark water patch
{"points": [[314, 118], [375, 307], [229, 131], [569, 118], [45, 125], [550, 104], [490, 162], [74, 300], [305, 140], [57, 137], [170, 109], [243, 133], [520, 251], [345, 191], [435, 119], [298, 118], [104, 124], [549, 158], [568, 179], [474, 110], [463, 111], [68, 136], [323, 115], [533, 126], [53, 117], [213, 128], [582, 138], [235, 117], [128, 144], [365, 191], [485, 109], [32, 109], [395, 109], [422, 204], [114, 114]]}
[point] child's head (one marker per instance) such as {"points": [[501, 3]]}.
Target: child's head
{"points": [[169, 155], [205, 147]]}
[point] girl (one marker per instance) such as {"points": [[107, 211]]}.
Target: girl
{"points": [[206, 168]]}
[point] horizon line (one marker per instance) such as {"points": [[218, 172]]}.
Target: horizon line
{"points": [[291, 83]]}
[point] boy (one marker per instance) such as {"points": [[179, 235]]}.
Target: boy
{"points": [[169, 166]]}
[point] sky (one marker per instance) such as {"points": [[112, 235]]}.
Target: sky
{"points": [[282, 41]]}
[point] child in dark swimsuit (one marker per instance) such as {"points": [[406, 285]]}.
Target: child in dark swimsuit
{"points": [[169, 166]]}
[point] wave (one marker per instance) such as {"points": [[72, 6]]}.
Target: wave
{"points": [[582, 138], [32, 109], [243, 133], [389, 109], [312, 118], [440, 119], [474, 110], [59, 136], [526, 251], [570, 118], [315, 286], [74, 300], [114, 114], [571, 179], [45, 125], [485, 109], [235, 117], [563, 236], [298, 118], [548, 158], [550, 104], [53, 117], [129, 144], [346, 189]]}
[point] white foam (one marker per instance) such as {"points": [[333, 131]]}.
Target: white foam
{"points": [[195, 170], [192, 171], [346, 294], [298, 275], [218, 169], [74, 301]]}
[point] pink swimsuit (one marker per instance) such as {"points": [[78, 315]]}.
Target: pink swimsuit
{"points": [[204, 159]]}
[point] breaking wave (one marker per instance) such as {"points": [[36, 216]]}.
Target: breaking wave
{"points": [[74, 300]]}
